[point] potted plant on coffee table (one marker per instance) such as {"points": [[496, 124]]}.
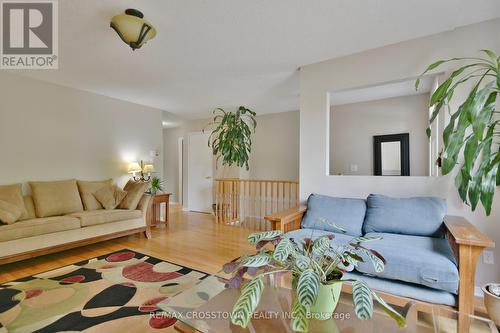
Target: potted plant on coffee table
{"points": [[317, 268]]}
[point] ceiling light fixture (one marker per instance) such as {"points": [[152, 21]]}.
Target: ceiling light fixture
{"points": [[132, 28]]}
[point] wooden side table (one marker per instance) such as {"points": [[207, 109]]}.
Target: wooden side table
{"points": [[156, 202]]}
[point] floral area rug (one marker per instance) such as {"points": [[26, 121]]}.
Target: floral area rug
{"points": [[116, 292]]}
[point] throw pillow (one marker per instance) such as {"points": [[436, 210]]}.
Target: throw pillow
{"points": [[87, 190], [13, 195], [110, 196], [135, 191], [9, 213]]}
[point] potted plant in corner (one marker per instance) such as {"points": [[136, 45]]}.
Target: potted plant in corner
{"points": [[317, 268], [473, 130]]}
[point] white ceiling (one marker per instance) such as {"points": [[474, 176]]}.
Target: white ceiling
{"points": [[234, 52], [383, 91]]}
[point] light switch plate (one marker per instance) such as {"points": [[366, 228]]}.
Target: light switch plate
{"points": [[488, 257]]}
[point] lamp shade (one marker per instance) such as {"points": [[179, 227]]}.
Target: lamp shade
{"points": [[132, 28], [148, 168], [134, 167]]}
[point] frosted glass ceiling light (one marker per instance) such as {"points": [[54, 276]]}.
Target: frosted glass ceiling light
{"points": [[132, 28]]}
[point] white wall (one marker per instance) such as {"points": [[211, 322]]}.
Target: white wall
{"points": [[275, 151], [275, 147], [390, 63], [352, 127], [50, 132]]}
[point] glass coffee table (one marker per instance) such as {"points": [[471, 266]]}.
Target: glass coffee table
{"points": [[206, 308]]}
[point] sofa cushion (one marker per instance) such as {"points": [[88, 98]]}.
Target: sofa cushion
{"points": [[90, 218], [56, 198], [36, 227], [418, 216], [135, 191], [87, 190], [110, 196], [346, 213], [13, 195], [405, 289], [30, 207], [9, 213], [426, 261]]}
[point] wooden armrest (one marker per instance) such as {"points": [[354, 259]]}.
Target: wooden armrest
{"points": [[465, 233], [287, 220], [467, 243]]}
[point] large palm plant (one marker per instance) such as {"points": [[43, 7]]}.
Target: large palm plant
{"points": [[474, 126]]}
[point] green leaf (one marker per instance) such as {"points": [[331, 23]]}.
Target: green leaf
{"points": [[497, 161], [321, 246], [283, 250], [265, 235], [492, 55], [475, 185], [451, 152], [390, 311], [331, 224], [258, 260], [353, 259], [440, 92], [308, 288], [377, 262], [479, 114], [498, 78], [363, 301], [247, 302], [462, 183], [434, 66], [417, 83], [300, 321], [488, 186], [363, 239], [302, 262], [471, 152]]}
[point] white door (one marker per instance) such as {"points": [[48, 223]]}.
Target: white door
{"points": [[200, 172]]}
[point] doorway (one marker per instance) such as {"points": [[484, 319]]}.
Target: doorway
{"points": [[199, 173]]}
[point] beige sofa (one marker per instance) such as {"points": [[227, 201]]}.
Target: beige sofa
{"points": [[38, 234]]}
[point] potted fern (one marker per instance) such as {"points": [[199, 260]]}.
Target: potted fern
{"points": [[317, 268]]}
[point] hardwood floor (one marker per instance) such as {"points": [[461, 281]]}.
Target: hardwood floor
{"points": [[191, 239]]}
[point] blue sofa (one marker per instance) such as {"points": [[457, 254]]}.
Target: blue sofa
{"points": [[422, 246]]}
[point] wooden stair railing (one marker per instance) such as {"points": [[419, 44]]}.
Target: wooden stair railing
{"points": [[245, 202]]}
